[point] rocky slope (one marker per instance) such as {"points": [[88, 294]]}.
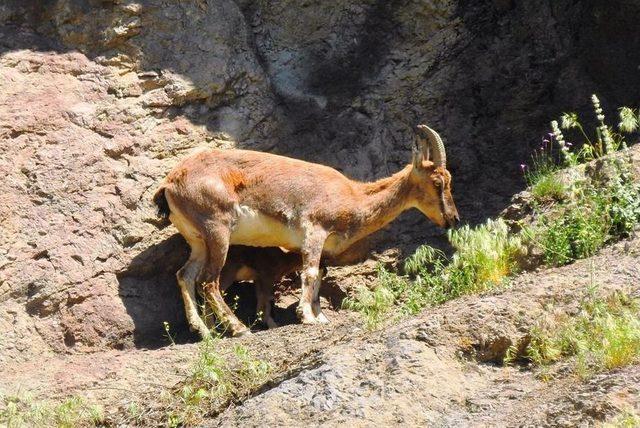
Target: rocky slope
{"points": [[440, 368], [98, 99]]}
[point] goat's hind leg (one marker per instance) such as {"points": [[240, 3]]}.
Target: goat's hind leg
{"points": [[187, 277], [217, 241]]}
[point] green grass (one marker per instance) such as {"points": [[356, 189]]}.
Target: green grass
{"points": [[484, 257], [549, 188], [578, 233], [215, 379], [541, 176], [374, 305], [604, 335], [24, 411]]}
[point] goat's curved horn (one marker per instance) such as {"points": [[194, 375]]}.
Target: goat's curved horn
{"points": [[430, 143]]}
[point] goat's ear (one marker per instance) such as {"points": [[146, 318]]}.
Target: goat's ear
{"points": [[416, 157], [418, 154]]}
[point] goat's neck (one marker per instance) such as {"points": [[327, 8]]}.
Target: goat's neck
{"points": [[382, 202]]}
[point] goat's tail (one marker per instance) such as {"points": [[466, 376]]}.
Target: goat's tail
{"points": [[162, 205]]}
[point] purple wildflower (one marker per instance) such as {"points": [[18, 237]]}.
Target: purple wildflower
{"points": [[569, 144]]}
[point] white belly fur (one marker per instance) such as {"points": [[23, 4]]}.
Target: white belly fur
{"points": [[259, 230]]}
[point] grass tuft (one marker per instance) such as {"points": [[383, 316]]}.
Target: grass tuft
{"points": [[214, 380], [549, 188], [605, 335], [19, 411]]}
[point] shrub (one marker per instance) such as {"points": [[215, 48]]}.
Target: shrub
{"points": [[579, 232], [214, 380], [599, 210], [23, 410], [484, 257]]}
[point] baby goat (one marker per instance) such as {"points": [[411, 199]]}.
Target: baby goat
{"points": [[265, 267]]}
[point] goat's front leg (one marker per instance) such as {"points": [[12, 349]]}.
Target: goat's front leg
{"points": [[310, 275]]}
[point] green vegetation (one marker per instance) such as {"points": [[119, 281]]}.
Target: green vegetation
{"points": [[549, 188], [485, 256], [19, 411], [214, 380], [541, 176], [601, 208], [374, 304], [603, 336], [599, 212], [577, 233]]}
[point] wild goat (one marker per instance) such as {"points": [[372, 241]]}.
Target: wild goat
{"points": [[217, 198]]}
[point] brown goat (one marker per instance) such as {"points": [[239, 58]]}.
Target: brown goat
{"points": [[218, 198]]}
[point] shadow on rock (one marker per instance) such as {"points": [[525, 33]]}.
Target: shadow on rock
{"points": [[150, 294]]}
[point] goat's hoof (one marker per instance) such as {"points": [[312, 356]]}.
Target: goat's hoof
{"points": [[322, 319], [305, 314], [271, 324], [202, 330], [241, 333]]}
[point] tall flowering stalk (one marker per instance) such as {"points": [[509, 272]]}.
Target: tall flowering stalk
{"points": [[603, 131], [568, 157]]}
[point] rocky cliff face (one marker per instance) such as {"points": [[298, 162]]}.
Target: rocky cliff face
{"points": [[99, 98]]}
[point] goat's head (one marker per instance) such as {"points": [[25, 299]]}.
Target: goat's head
{"points": [[432, 181]]}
